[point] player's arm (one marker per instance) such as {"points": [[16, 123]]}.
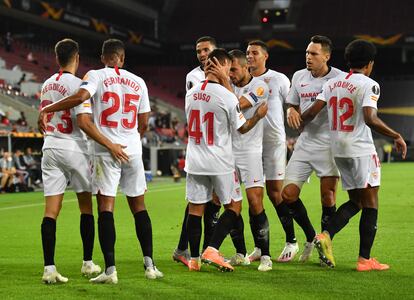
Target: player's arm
{"points": [[86, 124], [66, 103], [143, 123], [260, 113], [312, 111], [293, 116], [375, 123]]}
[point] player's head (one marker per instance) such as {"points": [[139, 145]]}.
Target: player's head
{"points": [[67, 53], [318, 53], [257, 53], [360, 54], [239, 69], [113, 53], [223, 58], [204, 46]]}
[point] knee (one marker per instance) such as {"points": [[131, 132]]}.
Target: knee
{"points": [[328, 198], [290, 194]]}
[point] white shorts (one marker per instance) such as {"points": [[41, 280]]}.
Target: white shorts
{"points": [[62, 166], [359, 172], [274, 160], [250, 169], [299, 168], [108, 173], [199, 188]]}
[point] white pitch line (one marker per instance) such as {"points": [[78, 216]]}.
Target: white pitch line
{"points": [[75, 200]]}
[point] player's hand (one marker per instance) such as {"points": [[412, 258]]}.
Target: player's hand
{"points": [[118, 153], [42, 122], [293, 118], [214, 67], [261, 111], [401, 146]]}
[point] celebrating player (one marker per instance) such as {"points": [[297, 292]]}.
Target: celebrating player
{"points": [[212, 111], [204, 46], [351, 100], [312, 149], [65, 159], [274, 152], [120, 107]]}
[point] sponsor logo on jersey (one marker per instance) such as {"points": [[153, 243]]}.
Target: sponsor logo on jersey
{"points": [[304, 84], [374, 98], [84, 83]]}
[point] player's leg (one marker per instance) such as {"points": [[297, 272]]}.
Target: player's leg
{"points": [[328, 187], [199, 191], [211, 215], [80, 178], [227, 188], [87, 231], [105, 188], [54, 186], [369, 216], [180, 253]]}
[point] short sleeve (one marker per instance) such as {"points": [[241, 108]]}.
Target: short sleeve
{"points": [[90, 82], [293, 95], [284, 87], [322, 95], [144, 105], [84, 108], [237, 118], [371, 94], [258, 93]]}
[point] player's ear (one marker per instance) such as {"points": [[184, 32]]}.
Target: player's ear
{"points": [[103, 59]]}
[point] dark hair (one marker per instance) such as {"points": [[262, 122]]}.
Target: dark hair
{"points": [[359, 53], [221, 54], [112, 46], [239, 55], [207, 38], [259, 43], [325, 42], [66, 50]]}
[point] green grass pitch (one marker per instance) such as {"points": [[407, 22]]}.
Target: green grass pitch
{"points": [[21, 262]]}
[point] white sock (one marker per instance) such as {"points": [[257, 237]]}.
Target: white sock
{"points": [[50, 268]]}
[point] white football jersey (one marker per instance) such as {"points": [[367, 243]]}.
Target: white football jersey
{"points": [[256, 91], [345, 97], [195, 76], [303, 92], [62, 131], [274, 126], [212, 112], [117, 99]]}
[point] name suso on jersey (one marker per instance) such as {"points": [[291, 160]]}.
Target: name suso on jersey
{"points": [[62, 131], [118, 96], [212, 112], [346, 95]]}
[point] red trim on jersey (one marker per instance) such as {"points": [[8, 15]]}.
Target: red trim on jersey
{"points": [[203, 87], [59, 75], [117, 70], [349, 74]]}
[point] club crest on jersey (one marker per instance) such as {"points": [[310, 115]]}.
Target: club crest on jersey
{"points": [[375, 89], [260, 91]]}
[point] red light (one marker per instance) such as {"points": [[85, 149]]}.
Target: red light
{"points": [[264, 20]]}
